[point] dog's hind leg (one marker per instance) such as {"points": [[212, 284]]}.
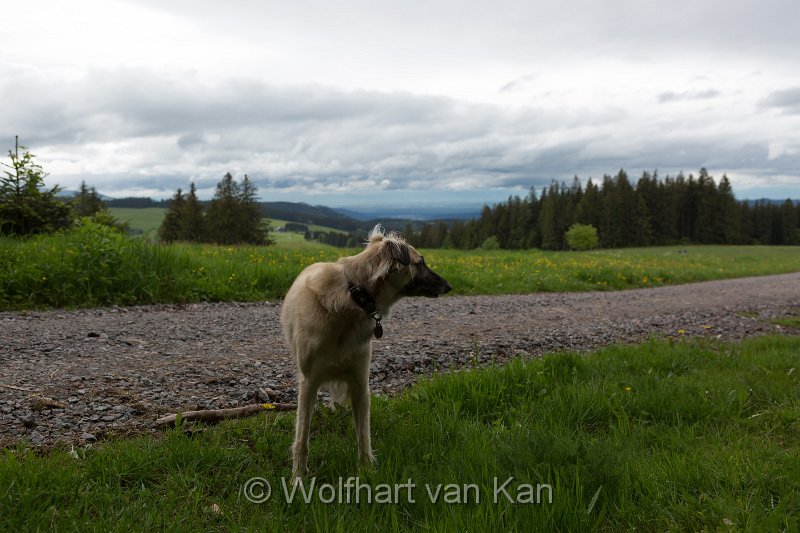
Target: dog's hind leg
{"points": [[358, 386], [306, 398]]}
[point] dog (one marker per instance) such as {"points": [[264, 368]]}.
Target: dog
{"points": [[329, 317]]}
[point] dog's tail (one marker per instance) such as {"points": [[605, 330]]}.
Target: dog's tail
{"points": [[338, 391]]}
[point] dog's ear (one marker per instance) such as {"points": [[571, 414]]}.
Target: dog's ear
{"points": [[400, 253]]}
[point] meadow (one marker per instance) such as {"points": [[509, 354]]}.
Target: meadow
{"points": [[93, 266], [683, 436], [148, 219]]}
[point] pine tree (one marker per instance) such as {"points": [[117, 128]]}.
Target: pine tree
{"points": [[254, 228], [87, 202], [729, 213], [192, 218], [788, 223], [549, 218], [409, 235], [223, 212], [25, 206], [234, 215], [170, 229]]}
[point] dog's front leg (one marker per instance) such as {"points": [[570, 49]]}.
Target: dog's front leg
{"points": [[360, 400], [306, 398]]}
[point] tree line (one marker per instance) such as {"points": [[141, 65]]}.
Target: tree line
{"points": [[653, 211], [233, 216]]}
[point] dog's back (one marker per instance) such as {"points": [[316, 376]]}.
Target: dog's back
{"points": [[323, 329]]}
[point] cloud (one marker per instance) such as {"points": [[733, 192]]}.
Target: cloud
{"points": [[670, 96], [136, 129], [787, 100], [518, 83]]}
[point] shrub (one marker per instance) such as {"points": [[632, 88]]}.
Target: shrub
{"points": [[491, 243], [582, 237]]}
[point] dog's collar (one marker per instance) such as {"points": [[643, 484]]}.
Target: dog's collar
{"points": [[362, 299]]}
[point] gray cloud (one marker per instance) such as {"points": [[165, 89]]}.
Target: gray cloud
{"points": [[670, 96], [787, 100], [157, 133], [518, 83]]}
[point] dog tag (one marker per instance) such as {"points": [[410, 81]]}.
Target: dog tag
{"points": [[378, 330]]}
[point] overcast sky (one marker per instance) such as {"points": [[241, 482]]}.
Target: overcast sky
{"points": [[352, 102]]}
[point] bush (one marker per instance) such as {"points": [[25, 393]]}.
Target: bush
{"points": [[582, 237], [491, 243]]}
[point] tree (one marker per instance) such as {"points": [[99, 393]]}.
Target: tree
{"points": [[26, 207], [222, 212], [87, 202], [170, 229], [234, 216], [192, 219], [254, 229]]}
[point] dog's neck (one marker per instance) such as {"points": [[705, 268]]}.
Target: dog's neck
{"points": [[363, 299]]}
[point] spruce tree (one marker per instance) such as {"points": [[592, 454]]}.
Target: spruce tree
{"points": [[192, 219], [254, 229], [170, 229], [223, 212], [26, 207], [87, 202]]}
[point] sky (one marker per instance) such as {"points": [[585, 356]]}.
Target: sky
{"points": [[380, 102]]}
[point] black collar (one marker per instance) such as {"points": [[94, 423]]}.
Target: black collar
{"points": [[362, 299]]}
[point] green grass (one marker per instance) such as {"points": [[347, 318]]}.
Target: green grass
{"points": [[93, 266], [682, 436], [146, 219], [519, 272]]}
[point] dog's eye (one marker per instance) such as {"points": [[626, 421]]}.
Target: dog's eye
{"points": [[421, 261]]}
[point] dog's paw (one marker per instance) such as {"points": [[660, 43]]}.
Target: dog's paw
{"points": [[368, 459]]}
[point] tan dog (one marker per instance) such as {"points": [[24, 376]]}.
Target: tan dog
{"points": [[329, 317]]}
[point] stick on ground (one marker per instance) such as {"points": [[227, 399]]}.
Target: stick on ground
{"points": [[215, 415]]}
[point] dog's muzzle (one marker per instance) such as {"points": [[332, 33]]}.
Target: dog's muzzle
{"points": [[428, 284]]}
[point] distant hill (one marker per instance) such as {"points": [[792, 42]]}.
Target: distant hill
{"points": [[418, 213], [358, 220], [345, 220], [769, 201], [69, 194], [310, 214]]}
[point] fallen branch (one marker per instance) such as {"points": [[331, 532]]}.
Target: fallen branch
{"points": [[215, 415]]}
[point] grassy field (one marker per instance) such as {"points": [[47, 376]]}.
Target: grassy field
{"points": [[682, 436], [93, 266], [148, 219]]}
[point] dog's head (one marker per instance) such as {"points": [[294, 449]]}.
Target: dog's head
{"points": [[398, 266]]}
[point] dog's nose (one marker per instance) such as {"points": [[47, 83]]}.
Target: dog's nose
{"points": [[447, 287]]}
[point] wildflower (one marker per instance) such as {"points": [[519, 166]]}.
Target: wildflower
{"points": [[628, 389]]}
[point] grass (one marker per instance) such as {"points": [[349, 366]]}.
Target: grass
{"points": [[146, 219], [518, 272], [93, 266], [664, 436]]}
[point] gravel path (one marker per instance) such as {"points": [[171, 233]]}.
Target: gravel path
{"points": [[77, 376]]}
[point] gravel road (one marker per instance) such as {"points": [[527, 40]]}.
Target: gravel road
{"points": [[78, 376]]}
